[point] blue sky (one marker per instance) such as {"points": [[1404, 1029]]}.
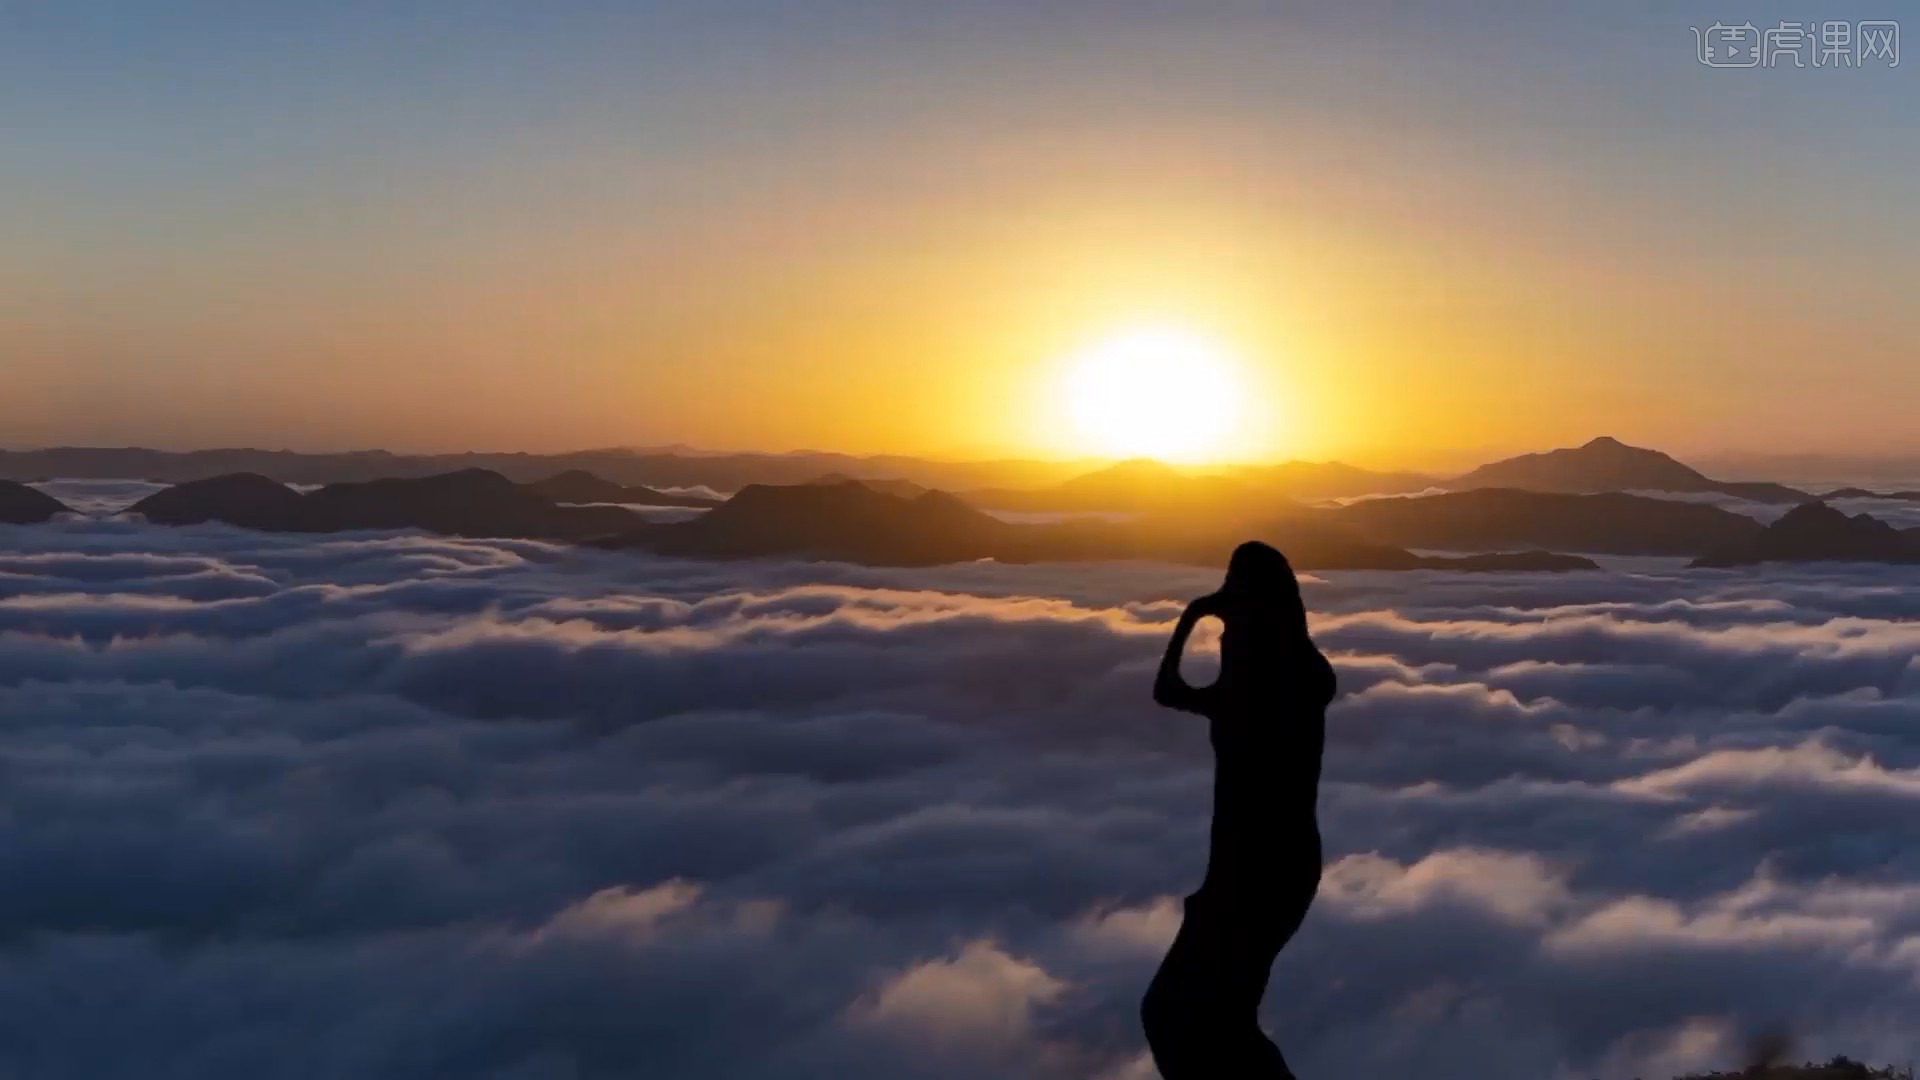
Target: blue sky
{"points": [[572, 221]]}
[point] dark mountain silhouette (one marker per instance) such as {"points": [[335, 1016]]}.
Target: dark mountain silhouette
{"points": [[22, 505], [1178, 514], [1312, 541], [1143, 484], [1138, 486], [1011, 484], [849, 522], [1607, 464], [1603, 465], [581, 486], [1494, 518], [853, 523], [471, 502], [1816, 532], [906, 489], [1319, 480], [246, 499], [846, 522]]}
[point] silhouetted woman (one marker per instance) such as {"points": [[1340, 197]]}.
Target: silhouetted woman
{"points": [[1267, 715]]}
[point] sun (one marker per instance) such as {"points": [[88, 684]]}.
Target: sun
{"points": [[1154, 391]]}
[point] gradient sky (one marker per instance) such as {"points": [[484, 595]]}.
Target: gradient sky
{"points": [[880, 226]]}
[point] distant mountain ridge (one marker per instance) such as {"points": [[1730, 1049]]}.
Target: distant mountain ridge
{"points": [[1816, 532], [468, 502], [1136, 486], [848, 520], [663, 467], [892, 486], [1612, 523], [1321, 480], [852, 522], [1601, 465], [23, 505], [1607, 464], [581, 486]]}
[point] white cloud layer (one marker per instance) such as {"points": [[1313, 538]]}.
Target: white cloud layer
{"points": [[400, 806]]}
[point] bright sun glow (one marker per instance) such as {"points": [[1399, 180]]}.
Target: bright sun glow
{"points": [[1159, 392]]}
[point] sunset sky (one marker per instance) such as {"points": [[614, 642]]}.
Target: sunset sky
{"points": [[892, 226]]}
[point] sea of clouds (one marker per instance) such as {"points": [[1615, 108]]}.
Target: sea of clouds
{"points": [[381, 805]]}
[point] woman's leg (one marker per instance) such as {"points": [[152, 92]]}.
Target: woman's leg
{"points": [[1201, 1013], [1243, 973], [1173, 1011], [1262, 1057]]}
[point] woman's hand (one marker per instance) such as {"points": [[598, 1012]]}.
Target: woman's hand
{"points": [[1200, 607]]}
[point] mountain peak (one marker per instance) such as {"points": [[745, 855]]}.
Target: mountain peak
{"points": [[1814, 531], [1607, 464], [1817, 513]]}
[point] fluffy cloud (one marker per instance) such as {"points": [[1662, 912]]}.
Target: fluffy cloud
{"points": [[393, 806]]}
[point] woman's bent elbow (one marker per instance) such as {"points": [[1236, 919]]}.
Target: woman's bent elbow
{"points": [[1172, 694]]}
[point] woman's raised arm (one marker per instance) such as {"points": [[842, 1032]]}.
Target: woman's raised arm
{"points": [[1170, 688]]}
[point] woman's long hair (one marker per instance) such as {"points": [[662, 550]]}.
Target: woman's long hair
{"points": [[1265, 650]]}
